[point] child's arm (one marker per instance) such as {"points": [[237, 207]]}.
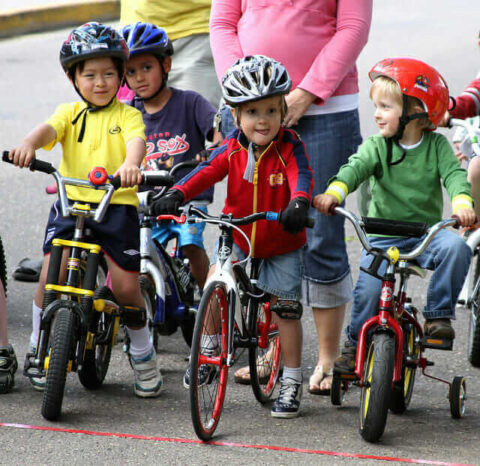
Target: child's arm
{"points": [[23, 154], [129, 171]]}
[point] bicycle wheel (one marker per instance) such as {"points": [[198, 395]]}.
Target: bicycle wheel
{"points": [[474, 324], [148, 292], [377, 386], [187, 326], [61, 349], [457, 397], [264, 362], [3, 267], [403, 389], [207, 394], [96, 360]]}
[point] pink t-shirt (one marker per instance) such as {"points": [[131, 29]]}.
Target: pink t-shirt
{"points": [[318, 41]]}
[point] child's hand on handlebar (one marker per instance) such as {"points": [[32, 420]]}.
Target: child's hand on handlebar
{"points": [[130, 175], [324, 203], [466, 217], [22, 155]]}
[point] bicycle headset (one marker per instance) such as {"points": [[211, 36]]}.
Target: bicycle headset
{"points": [[148, 38], [92, 40]]}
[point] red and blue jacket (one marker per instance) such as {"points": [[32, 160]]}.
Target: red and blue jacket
{"points": [[282, 172]]}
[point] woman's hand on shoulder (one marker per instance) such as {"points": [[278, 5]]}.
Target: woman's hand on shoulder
{"points": [[298, 102]]}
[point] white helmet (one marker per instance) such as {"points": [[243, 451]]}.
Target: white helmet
{"points": [[254, 77]]}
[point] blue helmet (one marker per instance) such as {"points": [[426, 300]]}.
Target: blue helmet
{"points": [[147, 38]]}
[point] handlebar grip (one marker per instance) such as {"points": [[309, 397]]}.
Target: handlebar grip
{"points": [[35, 164], [310, 222], [116, 182], [158, 179]]}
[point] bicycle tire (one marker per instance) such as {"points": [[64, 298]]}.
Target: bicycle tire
{"points": [[188, 326], [96, 360], [206, 400], [403, 389], [60, 354], [377, 386], [148, 292], [266, 360], [457, 397], [473, 348], [3, 267]]}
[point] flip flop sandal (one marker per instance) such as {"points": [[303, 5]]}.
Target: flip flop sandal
{"points": [[28, 270], [316, 379], [242, 375]]}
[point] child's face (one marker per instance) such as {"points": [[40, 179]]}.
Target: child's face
{"points": [[387, 113], [98, 81], [144, 74], [261, 120]]}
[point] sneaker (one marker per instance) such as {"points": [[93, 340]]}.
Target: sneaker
{"points": [[345, 363], [8, 367], [38, 383], [287, 404], [148, 379], [439, 328], [206, 375]]}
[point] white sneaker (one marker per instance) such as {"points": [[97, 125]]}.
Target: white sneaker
{"points": [[148, 379]]}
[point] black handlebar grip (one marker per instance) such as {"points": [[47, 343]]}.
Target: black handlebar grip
{"points": [[41, 166], [157, 180], [5, 157], [310, 222], [116, 182]]}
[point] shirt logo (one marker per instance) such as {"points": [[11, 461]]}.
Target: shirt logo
{"points": [[131, 252], [115, 130], [276, 179]]}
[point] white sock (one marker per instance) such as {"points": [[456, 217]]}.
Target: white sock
{"points": [[294, 373], [209, 343], [140, 344], [36, 318]]}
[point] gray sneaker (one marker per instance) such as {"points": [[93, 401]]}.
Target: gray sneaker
{"points": [[287, 405], [148, 379]]}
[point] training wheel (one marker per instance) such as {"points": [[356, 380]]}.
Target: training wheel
{"points": [[337, 392], [457, 397]]}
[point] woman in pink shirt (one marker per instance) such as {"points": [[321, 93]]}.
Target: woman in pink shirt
{"points": [[318, 41]]}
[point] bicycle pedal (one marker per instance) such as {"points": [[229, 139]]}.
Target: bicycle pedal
{"points": [[437, 343], [346, 377]]}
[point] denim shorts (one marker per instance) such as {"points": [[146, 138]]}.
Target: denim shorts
{"points": [[330, 140], [187, 233], [280, 275], [118, 233]]}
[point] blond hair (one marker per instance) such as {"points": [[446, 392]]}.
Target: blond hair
{"points": [[390, 88]]}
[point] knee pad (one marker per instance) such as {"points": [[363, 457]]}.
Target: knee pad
{"points": [[288, 309]]}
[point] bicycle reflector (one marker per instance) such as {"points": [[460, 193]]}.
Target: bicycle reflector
{"points": [[98, 176]]}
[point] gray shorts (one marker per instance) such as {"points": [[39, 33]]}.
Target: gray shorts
{"points": [[280, 275]]}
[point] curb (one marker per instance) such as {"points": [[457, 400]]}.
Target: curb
{"points": [[49, 17]]}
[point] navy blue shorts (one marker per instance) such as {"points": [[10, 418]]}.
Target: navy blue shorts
{"points": [[118, 234]]}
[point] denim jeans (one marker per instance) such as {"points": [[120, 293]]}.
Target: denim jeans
{"points": [[329, 140], [227, 125], [447, 255]]}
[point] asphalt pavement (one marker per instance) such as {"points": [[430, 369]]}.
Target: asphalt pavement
{"points": [[110, 425]]}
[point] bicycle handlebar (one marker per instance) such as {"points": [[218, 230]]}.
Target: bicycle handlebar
{"points": [[360, 230]]}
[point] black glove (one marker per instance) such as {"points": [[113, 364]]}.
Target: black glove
{"points": [[294, 217], [169, 203]]}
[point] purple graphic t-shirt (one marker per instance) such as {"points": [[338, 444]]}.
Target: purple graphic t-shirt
{"points": [[177, 132]]}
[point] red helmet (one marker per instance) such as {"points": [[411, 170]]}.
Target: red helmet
{"points": [[416, 79]]}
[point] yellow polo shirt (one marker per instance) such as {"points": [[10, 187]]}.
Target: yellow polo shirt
{"points": [[107, 133], [180, 18]]}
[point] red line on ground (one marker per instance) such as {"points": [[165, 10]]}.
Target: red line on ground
{"points": [[230, 444]]}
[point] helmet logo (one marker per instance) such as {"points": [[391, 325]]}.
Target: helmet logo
{"points": [[115, 130], [422, 83]]}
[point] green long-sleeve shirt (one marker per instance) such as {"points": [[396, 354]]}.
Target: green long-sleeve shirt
{"points": [[410, 190]]}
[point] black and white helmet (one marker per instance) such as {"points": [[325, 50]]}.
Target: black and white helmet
{"points": [[254, 77]]}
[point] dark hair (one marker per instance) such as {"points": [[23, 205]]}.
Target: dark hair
{"points": [[118, 62]]}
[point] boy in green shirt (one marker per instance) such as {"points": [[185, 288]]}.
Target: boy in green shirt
{"points": [[405, 165]]}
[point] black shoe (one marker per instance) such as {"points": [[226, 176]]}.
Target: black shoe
{"points": [[206, 375], [8, 367], [287, 405], [439, 328], [345, 363]]}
